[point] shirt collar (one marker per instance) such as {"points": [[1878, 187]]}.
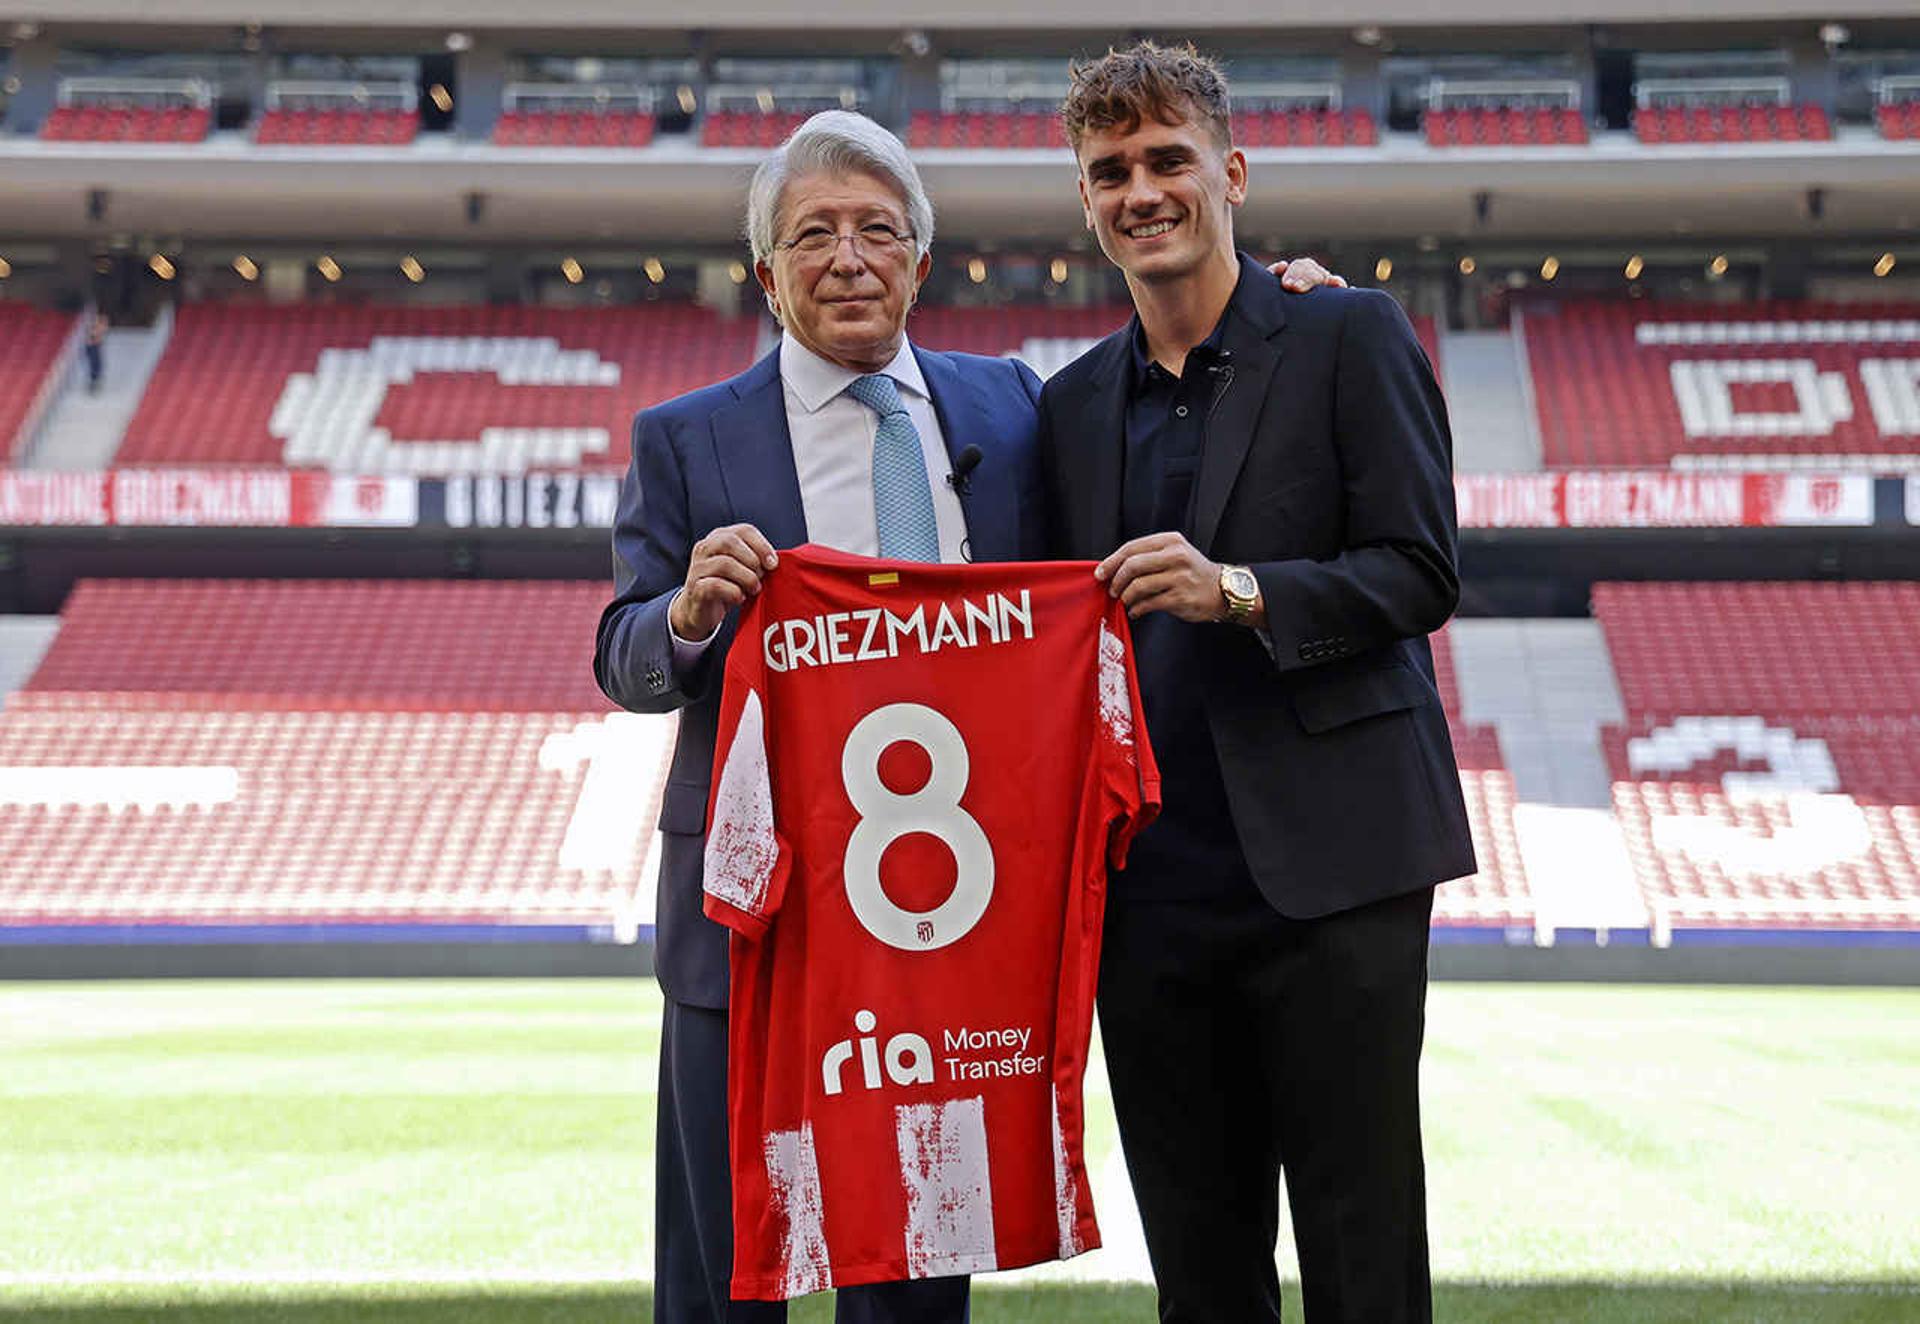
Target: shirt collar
{"points": [[1206, 349], [814, 380]]}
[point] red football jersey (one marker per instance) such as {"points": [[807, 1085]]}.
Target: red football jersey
{"points": [[922, 775]]}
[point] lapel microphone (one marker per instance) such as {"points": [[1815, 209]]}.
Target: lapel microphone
{"points": [[1222, 374], [961, 479]]}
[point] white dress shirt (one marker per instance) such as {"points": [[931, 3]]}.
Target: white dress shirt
{"points": [[833, 449], [832, 435]]}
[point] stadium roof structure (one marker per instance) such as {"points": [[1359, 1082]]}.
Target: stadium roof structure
{"points": [[677, 192]]}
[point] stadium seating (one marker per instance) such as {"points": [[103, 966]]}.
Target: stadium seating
{"points": [[337, 128], [422, 390], [1898, 122], [573, 128], [1497, 895], [1305, 128], [280, 752], [137, 124], [749, 128], [1740, 386], [1732, 124], [1769, 772], [1505, 127], [30, 340], [985, 129]]}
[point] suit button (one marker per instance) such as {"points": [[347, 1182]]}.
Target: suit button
{"points": [[656, 679]]}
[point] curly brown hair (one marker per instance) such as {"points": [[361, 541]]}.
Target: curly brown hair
{"points": [[1166, 83]]}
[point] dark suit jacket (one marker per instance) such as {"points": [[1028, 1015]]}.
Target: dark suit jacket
{"points": [[1327, 467], [722, 455]]}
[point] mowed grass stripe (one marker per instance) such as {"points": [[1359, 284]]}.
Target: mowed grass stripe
{"points": [[465, 1130], [1454, 1303]]}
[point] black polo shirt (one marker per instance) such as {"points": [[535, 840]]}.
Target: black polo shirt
{"points": [[1191, 850]]}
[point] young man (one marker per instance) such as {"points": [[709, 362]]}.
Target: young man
{"points": [[1269, 483]]}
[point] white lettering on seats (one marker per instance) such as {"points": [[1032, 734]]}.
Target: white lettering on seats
{"points": [[328, 417], [1703, 389]]}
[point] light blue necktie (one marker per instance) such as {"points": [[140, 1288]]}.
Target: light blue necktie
{"points": [[902, 494]]}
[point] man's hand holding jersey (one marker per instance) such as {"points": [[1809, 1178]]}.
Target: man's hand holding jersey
{"points": [[725, 569], [1165, 572]]}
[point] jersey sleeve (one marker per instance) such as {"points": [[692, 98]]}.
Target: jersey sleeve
{"points": [[1131, 776], [747, 860]]}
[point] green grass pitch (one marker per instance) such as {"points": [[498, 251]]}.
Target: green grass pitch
{"points": [[425, 1152]]}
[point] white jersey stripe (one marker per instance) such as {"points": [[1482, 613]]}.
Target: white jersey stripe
{"points": [[943, 1164], [793, 1181], [742, 848], [1066, 1198]]}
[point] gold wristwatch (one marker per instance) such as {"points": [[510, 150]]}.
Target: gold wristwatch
{"points": [[1242, 592]]}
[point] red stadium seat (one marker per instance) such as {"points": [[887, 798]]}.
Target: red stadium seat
{"points": [[338, 128], [30, 340], [573, 381], [88, 123], [1732, 124], [326, 752], [1508, 127], [1899, 122], [1651, 385], [1004, 130], [1768, 775], [573, 128], [749, 128]]}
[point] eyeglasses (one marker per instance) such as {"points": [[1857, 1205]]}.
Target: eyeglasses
{"points": [[872, 240]]}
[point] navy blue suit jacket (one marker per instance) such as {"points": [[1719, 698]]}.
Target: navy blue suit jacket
{"points": [[1327, 467], [720, 456]]}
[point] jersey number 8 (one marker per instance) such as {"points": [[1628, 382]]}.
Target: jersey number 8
{"points": [[935, 809]]}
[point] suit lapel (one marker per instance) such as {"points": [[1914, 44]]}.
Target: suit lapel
{"points": [[988, 508], [754, 453], [1254, 323], [1096, 428]]}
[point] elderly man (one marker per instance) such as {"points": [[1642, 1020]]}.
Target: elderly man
{"points": [[846, 435]]}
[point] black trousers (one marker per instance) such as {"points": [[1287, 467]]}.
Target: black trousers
{"points": [[1239, 1041], [693, 1224]]}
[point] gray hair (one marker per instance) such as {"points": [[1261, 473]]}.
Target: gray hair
{"points": [[835, 142]]}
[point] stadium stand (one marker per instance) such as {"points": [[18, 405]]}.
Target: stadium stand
{"points": [[136, 124], [1497, 895], [1768, 775], [1898, 121], [749, 128], [337, 128], [1305, 128], [1731, 124], [984, 128], [573, 128], [292, 752], [422, 390], [1031, 129], [1743, 386], [30, 340], [1505, 127]]}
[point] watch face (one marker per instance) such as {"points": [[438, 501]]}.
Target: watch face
{"points": [[1241, 583]]}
